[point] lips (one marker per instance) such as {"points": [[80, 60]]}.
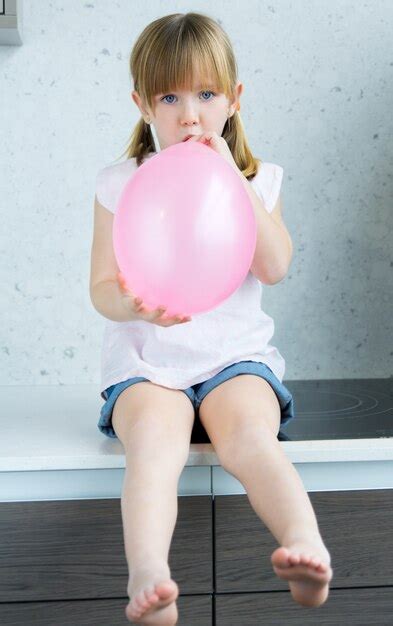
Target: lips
{"points": [[188, 137]]}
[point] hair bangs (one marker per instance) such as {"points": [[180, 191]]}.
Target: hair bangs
{"points": [[188, 62], [192, 52]]}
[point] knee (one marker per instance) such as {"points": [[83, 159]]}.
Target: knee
{"points": [[152, 439], [239, 449]]}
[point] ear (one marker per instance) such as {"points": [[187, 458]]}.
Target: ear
{"points": [[138, 101], [235, 104]]}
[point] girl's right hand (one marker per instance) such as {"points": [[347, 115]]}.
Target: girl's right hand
{"points": [[138, 310]]}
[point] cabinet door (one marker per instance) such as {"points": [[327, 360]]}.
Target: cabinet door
{"points": [[356, 527], [193, 611], [74, 550], [352, 607]]}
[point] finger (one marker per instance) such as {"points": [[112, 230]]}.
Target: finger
{"points": [[194, 138], [126, 290], [158, 311], [121, 281], [181, 319]]}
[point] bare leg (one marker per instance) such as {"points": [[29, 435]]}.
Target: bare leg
{"points": [[154, 424], [277, 495], [149, 513]]}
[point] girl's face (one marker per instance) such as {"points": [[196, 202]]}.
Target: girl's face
{"points": [[182, 113]]}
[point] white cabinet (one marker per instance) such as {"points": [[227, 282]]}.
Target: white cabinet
{"points": [[11, 22]]}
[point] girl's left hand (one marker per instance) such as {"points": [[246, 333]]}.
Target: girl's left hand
{"points": [[217, 143]]}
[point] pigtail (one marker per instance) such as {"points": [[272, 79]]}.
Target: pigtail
{"points": [[141, 142], [164, 57]]}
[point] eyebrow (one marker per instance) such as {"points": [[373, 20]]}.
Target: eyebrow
{"points": [[197, 88]]}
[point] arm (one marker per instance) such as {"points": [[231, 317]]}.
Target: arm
{"points": [[273, 252], [105, 293], [106, 299]]}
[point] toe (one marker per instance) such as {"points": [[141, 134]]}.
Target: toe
{"points": [[306, 558], [294, 559], [166, 585], [281, 557], [140, 598], [135, 603], [135, 611], [141, 602], [165, 589], [151, 596]]}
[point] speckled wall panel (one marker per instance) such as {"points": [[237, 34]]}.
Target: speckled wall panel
{"points": [[317, 100]]}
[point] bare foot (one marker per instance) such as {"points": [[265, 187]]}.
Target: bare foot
{"points": [[153, 596], [306, 565]]}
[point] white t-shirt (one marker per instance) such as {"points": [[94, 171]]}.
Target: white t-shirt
{"points": [[186, 354]]}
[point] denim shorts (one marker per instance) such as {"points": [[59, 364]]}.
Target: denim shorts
{"points": [[197, 392]]}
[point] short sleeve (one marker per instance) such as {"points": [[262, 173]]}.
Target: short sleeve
{"points": [[110, 182], [267, 182], [104, 191]]}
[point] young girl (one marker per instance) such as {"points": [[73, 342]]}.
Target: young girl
{"points": [[218, 366]]}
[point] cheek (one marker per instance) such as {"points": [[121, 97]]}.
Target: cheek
{"points": [[219, 118]]}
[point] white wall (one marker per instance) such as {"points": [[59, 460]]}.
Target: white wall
{"points": [[317, 100]]}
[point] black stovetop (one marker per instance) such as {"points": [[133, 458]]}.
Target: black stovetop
{"points": [[359, 408]]}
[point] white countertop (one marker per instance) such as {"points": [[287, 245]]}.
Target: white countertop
{"points": [[48, 431]]}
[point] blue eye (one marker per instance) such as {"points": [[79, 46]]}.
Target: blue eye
{"points": [[168, 96], [208, 92], [171, 96]]}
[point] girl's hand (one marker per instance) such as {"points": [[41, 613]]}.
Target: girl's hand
{"points": [[138, 310], [218, 144]]}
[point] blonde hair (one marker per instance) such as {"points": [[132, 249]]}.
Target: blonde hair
{"points": [[163, 59]]}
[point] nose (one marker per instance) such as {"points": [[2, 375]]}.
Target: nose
{"points": [[189, 115]]}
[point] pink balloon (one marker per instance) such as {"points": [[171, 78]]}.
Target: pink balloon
{"points": [[184, 232]]}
